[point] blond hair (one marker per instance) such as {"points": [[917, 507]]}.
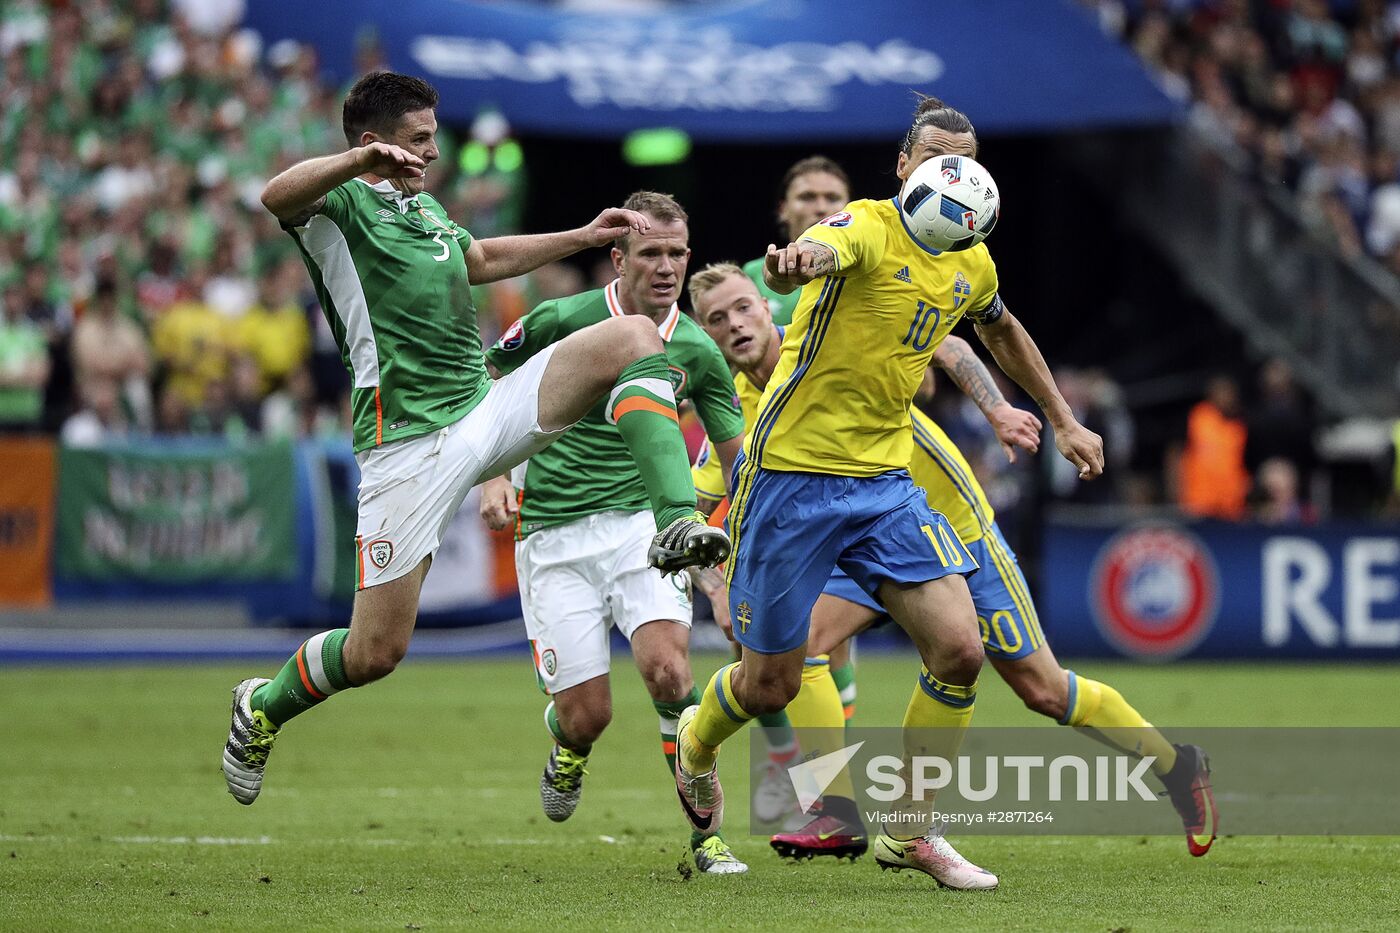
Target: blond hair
{"points": [[709, 277]]}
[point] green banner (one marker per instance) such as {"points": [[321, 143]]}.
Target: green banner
{"points": [[177, 515]]}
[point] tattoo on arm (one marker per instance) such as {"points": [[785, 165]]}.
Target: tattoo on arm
{"points": [[823, 257], [301, 219], [973, 377]]}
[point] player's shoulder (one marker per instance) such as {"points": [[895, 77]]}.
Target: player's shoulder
{"points": [[689, 337], [592, 304]]}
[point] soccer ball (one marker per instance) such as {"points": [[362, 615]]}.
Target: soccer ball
{"points": [[950, 203]]}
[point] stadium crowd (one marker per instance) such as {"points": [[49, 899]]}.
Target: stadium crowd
{"points": [[144, 287], [1308, 90], [146, 291]]}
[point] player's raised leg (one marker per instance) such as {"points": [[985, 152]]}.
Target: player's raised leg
{"points": [[622, 361]]}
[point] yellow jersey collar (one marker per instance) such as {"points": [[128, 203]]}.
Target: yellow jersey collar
{"points": [[667, 326]]}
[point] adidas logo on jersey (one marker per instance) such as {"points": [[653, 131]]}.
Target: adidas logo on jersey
{"points": [[903, 275]]}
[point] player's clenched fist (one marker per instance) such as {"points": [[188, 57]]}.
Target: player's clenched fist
{"points": [[389, 161], [1081, 447], [498, 505]]}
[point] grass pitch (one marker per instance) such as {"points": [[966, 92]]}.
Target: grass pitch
{"points": [[413, 804]]}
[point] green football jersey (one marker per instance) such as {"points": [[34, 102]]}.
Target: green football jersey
{"points": [[391, 274], [780, 306], [589, 470]]}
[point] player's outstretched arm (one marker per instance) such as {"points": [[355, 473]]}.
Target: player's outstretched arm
{"points": [[1014, 427], [787, 269], [1019, 357], [505, 257], [298, 192]]}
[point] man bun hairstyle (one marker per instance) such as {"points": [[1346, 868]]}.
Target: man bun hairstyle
{"points": [[379, 100], [657, 206], [707, 278], [932, 111]]}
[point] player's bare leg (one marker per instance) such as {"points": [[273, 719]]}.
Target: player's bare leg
{"points": [[939, 617], [661, 651], [576, 717], [1101, 711], [381, 626], [622, 363], [382, 623]]}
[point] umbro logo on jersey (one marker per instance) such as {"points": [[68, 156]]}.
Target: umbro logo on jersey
{"points": [[386, 214], [903, 275]]}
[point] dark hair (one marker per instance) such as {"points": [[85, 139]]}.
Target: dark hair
{"points": [[379, 99], [655, 205], [810, 166], [933, 112]]}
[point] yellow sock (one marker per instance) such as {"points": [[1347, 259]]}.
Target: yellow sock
{"points": [[817, 711], [1097, 707], [934, 724], [719, 717]]}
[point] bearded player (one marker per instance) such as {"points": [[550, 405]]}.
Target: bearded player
{"points": [[731, 311], [823, 483]]}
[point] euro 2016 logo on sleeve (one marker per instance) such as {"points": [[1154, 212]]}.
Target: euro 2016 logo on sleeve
{"points": [[1154, 591], [838, 219], [513, 337]]}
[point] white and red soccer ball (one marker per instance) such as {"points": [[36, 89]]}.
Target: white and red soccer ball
{"points": [[950, 203]]}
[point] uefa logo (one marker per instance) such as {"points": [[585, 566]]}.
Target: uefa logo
{"points": [[1154, 591]]}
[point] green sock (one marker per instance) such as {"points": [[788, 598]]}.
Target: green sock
{"points": [[845, 677], [670, 714], [777, 731], [314, 673], [643, 406], [551, 722]]}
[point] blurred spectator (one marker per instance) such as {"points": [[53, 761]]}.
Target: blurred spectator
{"points": [[108, 348], [191, 343], [1281, 424], [1097, 402], [100, 420], [274, 332], [1277, 500], [1208, 470], [24, 366]]}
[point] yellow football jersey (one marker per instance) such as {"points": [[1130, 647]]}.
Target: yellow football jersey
{"points": [[945, 476], [859, 342], [937, 466], [708, 473]]}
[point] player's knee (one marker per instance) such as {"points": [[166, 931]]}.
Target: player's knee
{"points": [[375, 660], [584, 725], [771, 692], [958, 662], [667, 680], [1042, 698], [630, 338]]}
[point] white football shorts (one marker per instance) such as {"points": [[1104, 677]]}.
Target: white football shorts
{"points": [[578, 579], [411, 489]]}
